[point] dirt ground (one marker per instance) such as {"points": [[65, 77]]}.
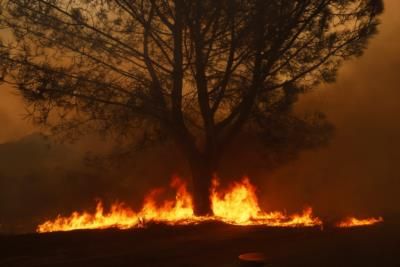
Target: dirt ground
{"points": [[209, 244]]}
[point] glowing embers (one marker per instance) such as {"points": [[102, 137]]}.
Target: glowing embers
{"points": [[239, 205], [354, 222]]}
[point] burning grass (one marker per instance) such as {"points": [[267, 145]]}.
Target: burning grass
{"points": [[354, 222], [236, 205]]}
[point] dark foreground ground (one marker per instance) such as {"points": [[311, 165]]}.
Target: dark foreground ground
{"points": [[205, 245]]}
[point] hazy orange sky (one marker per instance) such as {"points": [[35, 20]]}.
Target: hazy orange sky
{"points": [[357, 173]]}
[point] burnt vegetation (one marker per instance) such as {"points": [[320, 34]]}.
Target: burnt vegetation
{"points": [[198, 72]]}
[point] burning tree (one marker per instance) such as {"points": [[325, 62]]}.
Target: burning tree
{"points": [[197, 71]]}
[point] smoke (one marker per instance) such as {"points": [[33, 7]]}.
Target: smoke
{"points": [[13, 125], [41, 179], [356, 174]]}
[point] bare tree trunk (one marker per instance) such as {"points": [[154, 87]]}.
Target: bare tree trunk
{"points": [[202, 166], [203, 169]]}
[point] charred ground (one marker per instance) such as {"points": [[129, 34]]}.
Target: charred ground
{"points": [[206, 245]]}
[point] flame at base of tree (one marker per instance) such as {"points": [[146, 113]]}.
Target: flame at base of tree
{"points": [[237, 205], [354, 222]]}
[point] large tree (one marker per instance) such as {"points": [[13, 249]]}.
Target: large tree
{"points": [[200, 71]]}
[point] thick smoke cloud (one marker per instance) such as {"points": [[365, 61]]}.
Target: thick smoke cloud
{"points": [[357, 173]]}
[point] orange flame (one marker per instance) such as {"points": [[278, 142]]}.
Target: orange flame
{"points": [[179, 211], [237, 205], [171, 211], [119, 216], [354, 222]]}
